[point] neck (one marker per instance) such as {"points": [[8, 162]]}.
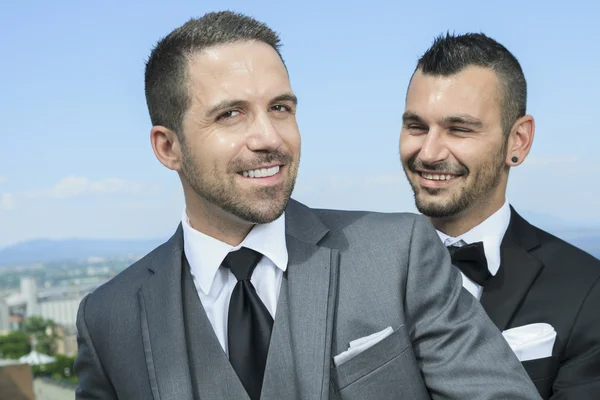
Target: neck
{"points": [[216, 223], [468, 219]]}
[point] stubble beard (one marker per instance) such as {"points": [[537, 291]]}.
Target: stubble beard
{"points": [[261, 206], [485, 180]]}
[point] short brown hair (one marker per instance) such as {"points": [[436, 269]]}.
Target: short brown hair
{"points": [[166, 90]]}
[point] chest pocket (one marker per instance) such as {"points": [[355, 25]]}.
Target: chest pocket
{"points": [[385, 370]]}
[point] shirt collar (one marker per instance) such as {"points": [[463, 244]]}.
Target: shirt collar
{"points": [[491, 232], [205, 254]]}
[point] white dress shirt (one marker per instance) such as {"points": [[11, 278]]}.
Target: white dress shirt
{"points": [[215, 283], [490, 232]]}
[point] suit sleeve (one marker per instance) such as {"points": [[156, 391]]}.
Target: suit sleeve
{"points": [[461, 353], [579, 375], [93, 381]]}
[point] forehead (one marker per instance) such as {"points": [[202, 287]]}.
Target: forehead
{"points": [[474, 91], [241, 71]]}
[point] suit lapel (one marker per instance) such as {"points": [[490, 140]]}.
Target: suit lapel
{"points": [[162, 324], [280, 373], [504, 293], [298, 361]]}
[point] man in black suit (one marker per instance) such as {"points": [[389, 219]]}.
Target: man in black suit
{"points": [[464, 127]]}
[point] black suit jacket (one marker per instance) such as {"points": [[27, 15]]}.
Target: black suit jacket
{"points": [[544, 279]]}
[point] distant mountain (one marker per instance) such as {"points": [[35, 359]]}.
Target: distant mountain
{"points": [[585, 235], [44, 250]]}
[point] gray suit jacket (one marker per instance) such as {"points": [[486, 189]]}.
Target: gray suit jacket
{"points": [[350, 274]]}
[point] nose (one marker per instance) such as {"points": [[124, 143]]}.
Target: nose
{"points": [[264, 135], [433, 149]]}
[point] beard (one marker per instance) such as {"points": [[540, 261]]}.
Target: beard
{"points": [[485, 179], [258, 205]]}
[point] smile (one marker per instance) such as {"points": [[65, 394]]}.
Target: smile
{"points": [[261, 172], [437, 177]]}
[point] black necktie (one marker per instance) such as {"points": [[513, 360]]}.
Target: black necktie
{"points": [[470, 259], [249, 324]]}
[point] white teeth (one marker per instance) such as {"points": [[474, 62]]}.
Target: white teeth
{"points": [[261, 173], [436, 177]]}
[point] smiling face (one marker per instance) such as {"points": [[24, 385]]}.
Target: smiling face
{"points": [[240, 146], [452, 145]]}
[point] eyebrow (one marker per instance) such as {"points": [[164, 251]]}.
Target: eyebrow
{"points": [[285, 97], [411, 116], [226, 104], [463, 119]]}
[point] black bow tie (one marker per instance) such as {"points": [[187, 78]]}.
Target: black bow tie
{"points": [[470, 259]]}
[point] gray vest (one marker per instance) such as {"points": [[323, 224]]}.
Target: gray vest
{"points": [[212, 375]]}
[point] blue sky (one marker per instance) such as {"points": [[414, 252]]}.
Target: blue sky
{"points": [[75, 154]]}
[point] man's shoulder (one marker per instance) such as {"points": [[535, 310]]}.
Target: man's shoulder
{"points": [[558, 252], [561, 257], [383, 231], [356, 225], [349, 218], [371, 225]]}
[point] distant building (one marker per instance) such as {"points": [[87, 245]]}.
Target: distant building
{"points": [[4, 315], [62, 310], [29, 293], [57, 304]]}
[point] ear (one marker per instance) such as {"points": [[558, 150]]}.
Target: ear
{"points": [[520, 140], [166, 146]]}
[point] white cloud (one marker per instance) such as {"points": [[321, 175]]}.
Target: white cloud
{"points": [[7, 201], [74, 186], [2, 179], [115, 185], [70, 186]]}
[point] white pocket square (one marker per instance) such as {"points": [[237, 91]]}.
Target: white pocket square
{"points": [[530, 342], [359, 345]]}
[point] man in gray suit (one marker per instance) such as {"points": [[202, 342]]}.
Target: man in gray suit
{"points": [[258, 296]]}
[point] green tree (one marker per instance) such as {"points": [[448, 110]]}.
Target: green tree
{"points": [[61, 369], [14, 345], [43, 332]]}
